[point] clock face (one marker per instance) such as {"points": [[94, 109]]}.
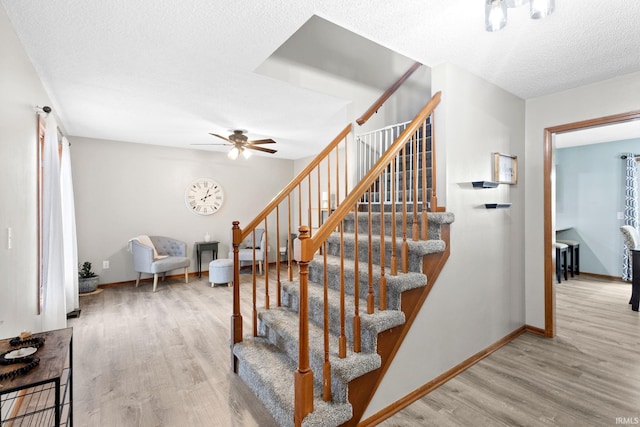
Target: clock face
{"points": [[204, 196]]}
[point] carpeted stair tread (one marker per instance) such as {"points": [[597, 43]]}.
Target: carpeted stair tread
{"points": [[280, 326], [370, 324], [435, 220], [269, 374], [434, 217], [417, 247], [395, 284]]}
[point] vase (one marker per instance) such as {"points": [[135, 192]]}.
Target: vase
{"points": [[88, 284], [207, 237]]}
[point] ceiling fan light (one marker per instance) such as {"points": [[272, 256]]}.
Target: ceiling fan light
{"points": [[495, 12], [541, 8], [246, 153], [233, 154]]}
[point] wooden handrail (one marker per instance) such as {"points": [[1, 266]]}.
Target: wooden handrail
{"points": [[376, 105], [293, 184], [332, 222]]}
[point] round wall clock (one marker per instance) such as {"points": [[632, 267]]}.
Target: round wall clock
{"points": [[204, 196]]}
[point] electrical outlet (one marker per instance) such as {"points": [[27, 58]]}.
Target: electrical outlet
{"points": [[105, 265]]}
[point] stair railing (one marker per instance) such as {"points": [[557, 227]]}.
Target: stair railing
{"points": [[383, 98], [280, 214], [396, 158], [287, 200], [370, 146]]}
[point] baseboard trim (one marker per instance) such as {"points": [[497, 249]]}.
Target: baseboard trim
{"points": [[439, 380], [149, 280], [603, 277], [535, 330]]}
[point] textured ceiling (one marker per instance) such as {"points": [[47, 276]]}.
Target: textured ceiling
{"points": [[169, 72]]}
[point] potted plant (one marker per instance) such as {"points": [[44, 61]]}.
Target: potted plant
{"points": [[87, 279]]}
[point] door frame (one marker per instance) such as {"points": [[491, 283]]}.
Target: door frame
{"points": [[549, 262]]}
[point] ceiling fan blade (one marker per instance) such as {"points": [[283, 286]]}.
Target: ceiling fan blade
{"points": [[222, 137], [266, 150], [262, 141], [211, 143]]}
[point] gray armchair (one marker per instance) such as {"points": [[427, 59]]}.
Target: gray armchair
{"points": [[164, 255], [246, 250]]}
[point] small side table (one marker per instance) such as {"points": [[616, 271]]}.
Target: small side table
{"points": [[205, 246], [45, 393]]}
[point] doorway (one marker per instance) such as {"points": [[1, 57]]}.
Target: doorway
{"points": [[549, 261]]}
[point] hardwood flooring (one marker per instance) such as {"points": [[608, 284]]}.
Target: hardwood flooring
{"points": [[589, 375], [161, 359], [145, 359]]}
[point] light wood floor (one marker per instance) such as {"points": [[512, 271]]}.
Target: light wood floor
{"points": [[145, 359], [589, 375]]}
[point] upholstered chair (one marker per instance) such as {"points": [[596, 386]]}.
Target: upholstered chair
{"points": [[632, 242], [246, 249], [631, 237], [158, 255]]}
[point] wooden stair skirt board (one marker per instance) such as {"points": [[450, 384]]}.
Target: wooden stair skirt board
{"points": [[276, 347]]}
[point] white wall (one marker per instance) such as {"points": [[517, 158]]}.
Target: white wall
{"points": [[21, 90], [401, 107], [605, 98], [123, 190], [479, 296]]}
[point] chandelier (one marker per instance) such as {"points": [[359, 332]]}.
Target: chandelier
{"points": [[495, 11]]}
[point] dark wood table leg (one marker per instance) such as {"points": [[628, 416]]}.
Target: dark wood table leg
{"points": [[199, 259], [635, 283]]}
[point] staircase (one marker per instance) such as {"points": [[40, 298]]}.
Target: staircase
{"points": [[266, 363], [316, 358]]}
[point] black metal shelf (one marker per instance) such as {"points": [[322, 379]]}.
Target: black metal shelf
{"points": [[485, 184], [497, 205]]}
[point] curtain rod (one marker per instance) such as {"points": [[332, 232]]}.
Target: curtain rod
{"points": [[62, 136], [633, 155]]}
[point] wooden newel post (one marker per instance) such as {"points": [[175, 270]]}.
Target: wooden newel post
{"points": [[303, 377], [236, 317]]}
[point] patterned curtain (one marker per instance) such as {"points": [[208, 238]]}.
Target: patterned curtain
{"points": [[630, 208]]}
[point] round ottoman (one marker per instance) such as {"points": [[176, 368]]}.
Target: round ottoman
{"points": [[221, 271]]}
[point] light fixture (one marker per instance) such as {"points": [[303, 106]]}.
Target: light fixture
{"points": [[233, 154], [495, 11], [542, 8], [237, 150]]}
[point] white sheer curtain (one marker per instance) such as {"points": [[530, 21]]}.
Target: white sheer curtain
{"points": [[54, 314], [69, 229]]}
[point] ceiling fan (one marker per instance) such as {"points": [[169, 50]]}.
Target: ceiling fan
{"points": [[241, 144]]}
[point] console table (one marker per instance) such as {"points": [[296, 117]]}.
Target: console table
{"points": [[44, 395], [205, 246]]}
